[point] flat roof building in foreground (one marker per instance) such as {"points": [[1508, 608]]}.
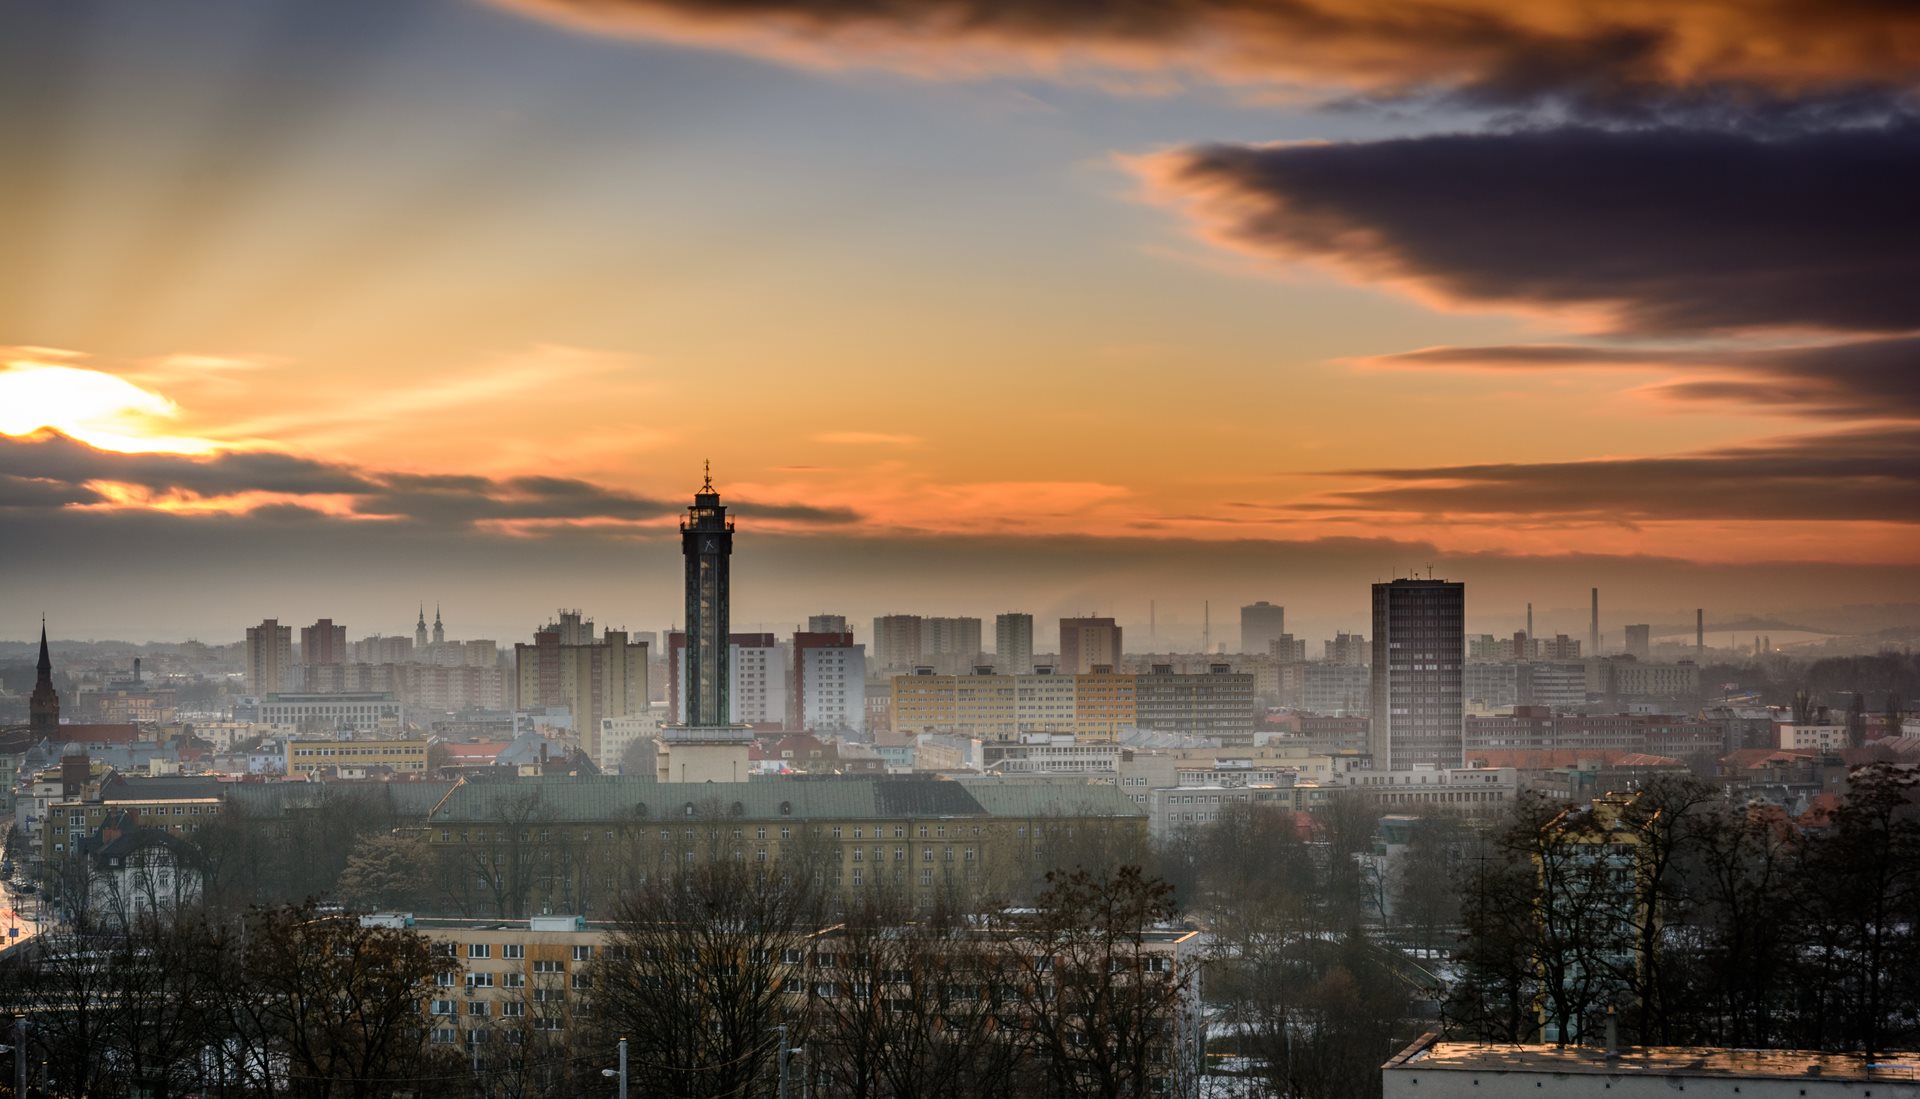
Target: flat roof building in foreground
{"points": [[1433, 1069]]}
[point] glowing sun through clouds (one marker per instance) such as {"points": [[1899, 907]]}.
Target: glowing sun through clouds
{"points": [[97, 408]]}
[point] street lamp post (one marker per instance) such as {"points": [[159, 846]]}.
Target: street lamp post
{"points": [[782, 1028], [621, 1072]]}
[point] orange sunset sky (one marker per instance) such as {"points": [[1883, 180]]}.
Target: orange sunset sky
{"points": [[316, 308]]}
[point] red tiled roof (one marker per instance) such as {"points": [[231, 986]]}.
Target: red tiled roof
{"points": [[99, 734], [459, 751], [1537, 759], [1645, 759], [1746, 759]]}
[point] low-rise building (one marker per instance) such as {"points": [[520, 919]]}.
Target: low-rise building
{"points": [[1465, 791], [303, 756], [1175, 809], [1795, 736], [358, 712]]}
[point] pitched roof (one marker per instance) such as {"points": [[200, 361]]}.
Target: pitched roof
{"points": [[1539, 759], [614, 797], [99, 734], [1051, 799], [160, 788], [1746, 759], [1643, 759], [406, 800]]}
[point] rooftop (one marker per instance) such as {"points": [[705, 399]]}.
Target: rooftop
{"points": [[1428, 1054], [601, 798]]}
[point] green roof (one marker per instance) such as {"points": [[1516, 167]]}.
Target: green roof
{"points": [[1050, 799], [613, 797], [407, 800]]}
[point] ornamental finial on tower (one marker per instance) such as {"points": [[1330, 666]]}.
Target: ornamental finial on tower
{"points": [[708, 470]]}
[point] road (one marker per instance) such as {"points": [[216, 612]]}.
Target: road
{"points": [[18, 915]]}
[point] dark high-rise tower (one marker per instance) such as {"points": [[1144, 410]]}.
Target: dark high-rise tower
{"points": [[706, 539], [43, 707], [1419, 646], [1261, 624], [1593, 631]]}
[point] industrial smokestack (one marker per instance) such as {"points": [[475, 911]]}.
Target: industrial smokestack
{"points": [[1700, 632], [1593, 631]]}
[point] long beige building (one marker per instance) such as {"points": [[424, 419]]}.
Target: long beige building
{"points": [[990, 707], [1095, 706]]}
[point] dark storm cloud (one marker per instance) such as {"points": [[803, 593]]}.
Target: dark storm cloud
{"points": [[51, 470], [1661, 231], [1585, 56], [27, 492], [1856, 475], [56, 458], [1857, 379]]}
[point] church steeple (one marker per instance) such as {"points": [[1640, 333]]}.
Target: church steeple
{"points": [[439, 631], [420, 629], [43, 707]]}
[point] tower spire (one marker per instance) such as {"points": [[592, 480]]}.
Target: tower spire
{"points": [[707, 469], [43, 707]]}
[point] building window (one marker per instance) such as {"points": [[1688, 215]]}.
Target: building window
{"points": [[479, 950], [583, 953], [513, 951]]}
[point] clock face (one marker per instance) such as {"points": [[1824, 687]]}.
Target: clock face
{"points": [[709, 547]]}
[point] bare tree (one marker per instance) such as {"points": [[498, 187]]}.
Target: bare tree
{"points": [[699, 970], [907, 1008], [324, 1006], [1862, 890], [1105, 1016], [1662, 815]]}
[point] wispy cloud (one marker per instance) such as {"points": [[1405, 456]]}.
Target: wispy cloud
{"points": [[1859, 475], [866, 438], [1856, 379]]}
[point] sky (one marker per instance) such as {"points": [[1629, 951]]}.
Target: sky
{"points": [[331, 307]]}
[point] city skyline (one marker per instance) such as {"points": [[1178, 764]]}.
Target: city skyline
{"points": [[1072, 312]]}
